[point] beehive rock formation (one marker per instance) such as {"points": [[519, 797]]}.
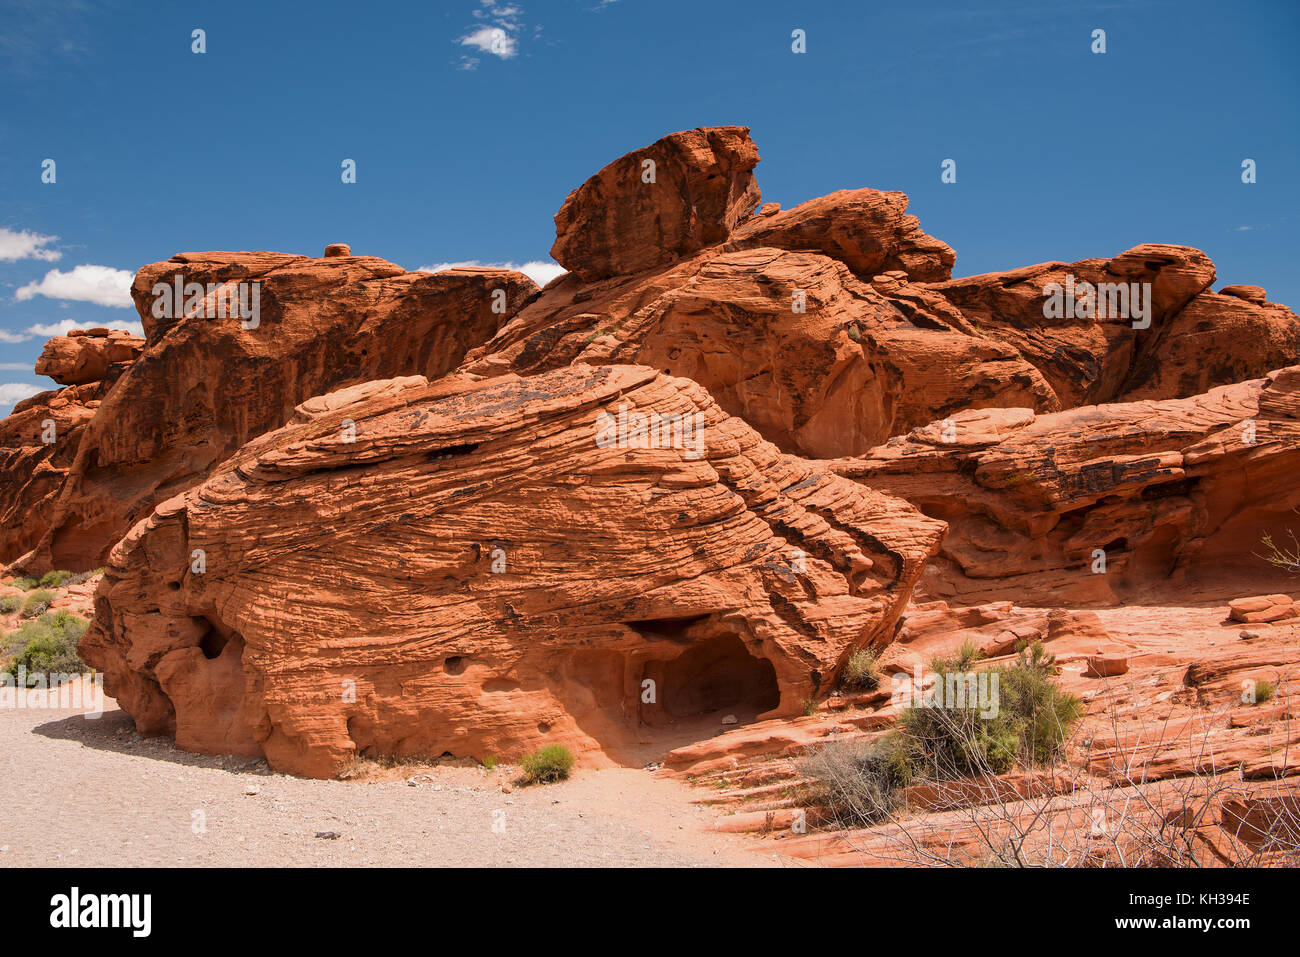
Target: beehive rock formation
{"points": [[377, 519], [840, 376], [478, 571]]}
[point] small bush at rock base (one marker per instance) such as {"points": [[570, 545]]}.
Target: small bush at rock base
{"points": [[860, 672], [547, 765], [37, 603]]}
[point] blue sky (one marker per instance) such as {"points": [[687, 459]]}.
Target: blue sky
{"points": [[470, 122]]}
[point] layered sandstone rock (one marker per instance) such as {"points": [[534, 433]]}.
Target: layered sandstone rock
{"points": [[1214, 340], [1102, 502], [757, 308], [821, 363], [210, 380], [481, 568]]}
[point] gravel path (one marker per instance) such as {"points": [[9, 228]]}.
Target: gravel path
{"points": [[89, 793]]}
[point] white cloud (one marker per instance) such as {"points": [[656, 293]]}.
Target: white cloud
{"points": [[24, 244], [492, 40], [48, 329], [14, 366], [102, 285], [11, 392], [497, 32], [539, 271]]}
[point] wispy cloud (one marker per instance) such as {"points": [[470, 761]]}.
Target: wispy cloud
{"points": [[25, 244], [102, 285], [40, 35], [538, 270]]}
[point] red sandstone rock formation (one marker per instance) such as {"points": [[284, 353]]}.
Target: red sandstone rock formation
{"points": [[348, 600], [84, 356], [1172, 491], [849, 370], [757, 308], [481, 569], [866, 229], [206, 384], [658, 204], [38, 444]]}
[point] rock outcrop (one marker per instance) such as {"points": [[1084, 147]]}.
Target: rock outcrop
{"points": [[836, 324], [84, 356], [596, 556], [866, 229], [210, 380], [1101, 502], [658, 204], [38, 444], [821, 363]]}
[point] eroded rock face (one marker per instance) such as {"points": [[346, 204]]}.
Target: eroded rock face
{"points": [[209, 381], [1214, 340], [81, 357], [1167, 492], [38, 443], [845, 370], [1085, 356], [631, 216], [489, 567]]}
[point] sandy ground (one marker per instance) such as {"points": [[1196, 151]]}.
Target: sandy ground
{"points": [[92, 793]]}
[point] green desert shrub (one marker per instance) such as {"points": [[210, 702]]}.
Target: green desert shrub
{"points": [[547, 765], [1033, 718], [25, 583], [860, 671], [55, 579], [860, 784], [37, 603], [1264, 691], [10, 604], [46, 645]]}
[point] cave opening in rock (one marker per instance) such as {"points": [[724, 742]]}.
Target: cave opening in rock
{"points": [[716, 675], [213, 643], [674, 629]]}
